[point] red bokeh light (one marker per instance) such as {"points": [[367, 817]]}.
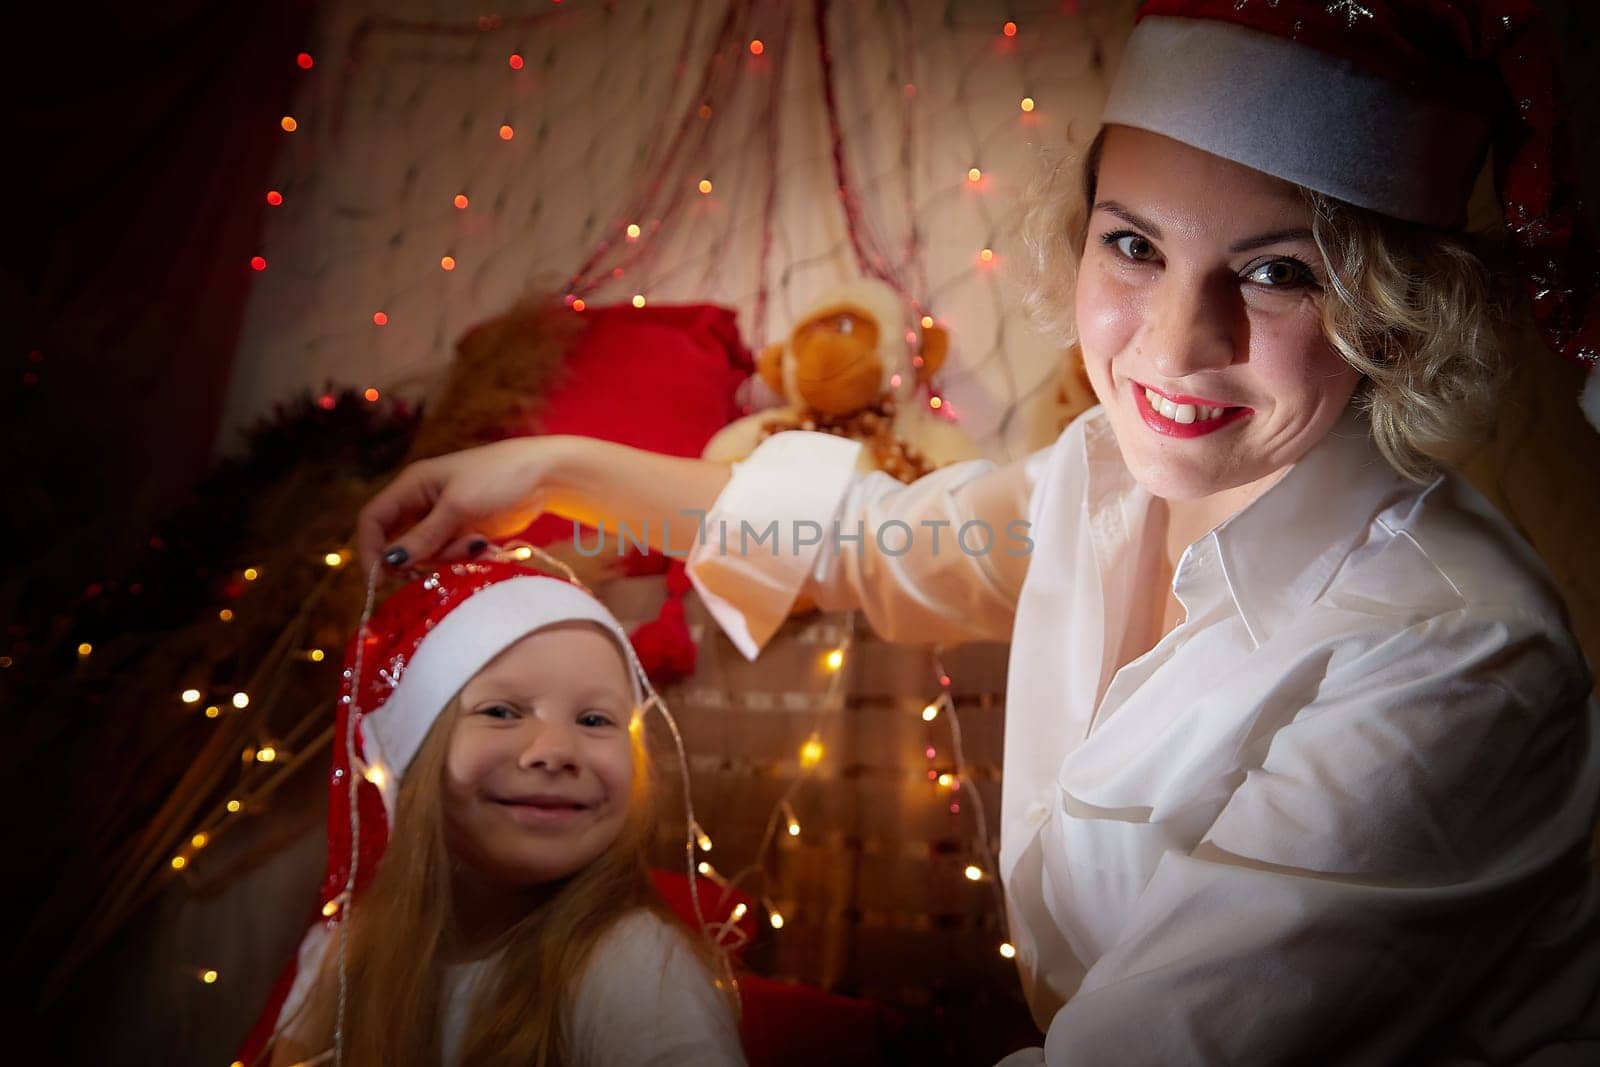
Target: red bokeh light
{"points": [[304, 60], [274, 197], [380, 319], [258, 263]]}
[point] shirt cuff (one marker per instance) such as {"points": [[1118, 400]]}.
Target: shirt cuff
{"points": [[794, 477]]}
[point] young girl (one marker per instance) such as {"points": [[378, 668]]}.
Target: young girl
{"points": [[488, 899]]}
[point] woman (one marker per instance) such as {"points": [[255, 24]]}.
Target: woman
{"points": [[1300, 760]]}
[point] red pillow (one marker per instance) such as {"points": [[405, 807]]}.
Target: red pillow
{"points": [[716, 904], [661, 378]]}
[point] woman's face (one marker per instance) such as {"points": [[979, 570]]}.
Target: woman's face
{"points": [[540, 768], [1201, 284]]}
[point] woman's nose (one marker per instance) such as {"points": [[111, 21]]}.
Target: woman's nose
{"points": [[548, 746], [1196, 326]]}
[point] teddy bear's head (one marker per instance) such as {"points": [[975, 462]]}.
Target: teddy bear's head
{"points": [[856, 347]]}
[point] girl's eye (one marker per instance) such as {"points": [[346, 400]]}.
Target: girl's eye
{"points": [[1285, 272], [1132, 245], [595, 718], [498, 711]]}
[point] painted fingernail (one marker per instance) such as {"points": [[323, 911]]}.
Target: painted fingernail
{"points": [[476, 546], [396, 556]]}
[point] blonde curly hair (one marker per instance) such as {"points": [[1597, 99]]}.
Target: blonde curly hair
{"points": [[1421, 313]]}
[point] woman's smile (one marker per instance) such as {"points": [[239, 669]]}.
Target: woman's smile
{"points": [[1179, 415]]}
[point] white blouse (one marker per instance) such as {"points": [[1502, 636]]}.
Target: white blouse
{"points": [[1341, 814]]}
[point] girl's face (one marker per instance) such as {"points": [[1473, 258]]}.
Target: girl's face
{"points": [[1200, 283], [540, 765]]}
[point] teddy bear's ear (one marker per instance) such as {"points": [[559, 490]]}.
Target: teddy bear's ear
{"points": [[935, 349], [769, 365]]}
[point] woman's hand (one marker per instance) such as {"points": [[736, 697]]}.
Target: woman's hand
{"points": [[439, 509]]}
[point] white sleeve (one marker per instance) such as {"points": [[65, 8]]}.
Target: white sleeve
{"points": [[646, 1000], [938, 561], [1406, 836]]}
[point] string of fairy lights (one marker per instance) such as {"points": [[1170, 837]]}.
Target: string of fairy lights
{"points": [[811, 754], [266, 763]]}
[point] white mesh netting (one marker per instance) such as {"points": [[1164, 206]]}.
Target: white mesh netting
{"points": [[617, 114]]}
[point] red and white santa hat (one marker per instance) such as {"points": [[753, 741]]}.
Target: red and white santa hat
{"points": [[1391, 106], [401, 669], [433, 635]]}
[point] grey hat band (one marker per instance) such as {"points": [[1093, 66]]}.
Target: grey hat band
{"points": [[1298, 114]]}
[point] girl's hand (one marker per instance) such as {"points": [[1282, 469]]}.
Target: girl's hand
{"points": [[445, 508]]}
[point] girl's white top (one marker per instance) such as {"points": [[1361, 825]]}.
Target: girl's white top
{"points": [[644, 1000], [1342, 813]]}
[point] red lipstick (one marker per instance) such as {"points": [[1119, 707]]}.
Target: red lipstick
{"points": [[1171, 427]]}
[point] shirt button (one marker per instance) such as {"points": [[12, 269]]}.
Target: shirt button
{"points": [[1036, 814]]}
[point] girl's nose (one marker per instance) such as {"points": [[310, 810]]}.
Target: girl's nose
{"points": [[1196, 326], [549, 746]]}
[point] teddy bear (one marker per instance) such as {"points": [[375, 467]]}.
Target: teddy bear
{"points": [[852, 366]]}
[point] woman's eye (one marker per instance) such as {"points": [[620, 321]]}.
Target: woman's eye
{"points": [[1282, 273], [1132, 245], [595, 718]]}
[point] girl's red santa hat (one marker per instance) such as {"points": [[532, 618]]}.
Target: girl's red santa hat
{"points": [[1391, 106], [401, 669]]}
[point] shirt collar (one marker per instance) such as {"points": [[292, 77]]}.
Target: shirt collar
{"points": [[1278, 553]]}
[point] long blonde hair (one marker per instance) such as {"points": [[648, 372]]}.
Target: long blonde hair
{"points": [[1423, 314], [401, 935]]}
